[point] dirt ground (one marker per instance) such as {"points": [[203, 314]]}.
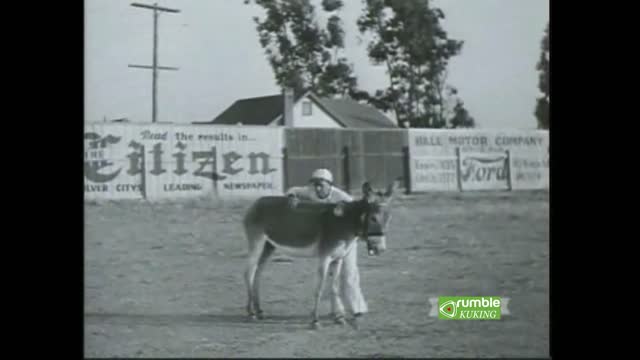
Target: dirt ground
{"points": [[165, 280]]}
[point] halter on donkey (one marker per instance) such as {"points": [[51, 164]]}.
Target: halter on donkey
{"points": [[324, 231]]}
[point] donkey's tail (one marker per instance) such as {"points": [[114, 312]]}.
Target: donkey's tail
{"points": [[253, 229]]}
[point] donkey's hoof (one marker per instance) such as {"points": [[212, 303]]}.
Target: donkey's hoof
{"points": [[354, 324], [253, 317], [315, 325], [340, 320]]}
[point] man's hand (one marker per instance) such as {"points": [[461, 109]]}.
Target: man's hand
{"points": [[293, 201]]}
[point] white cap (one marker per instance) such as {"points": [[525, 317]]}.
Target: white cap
{"points": [[322, 174]]}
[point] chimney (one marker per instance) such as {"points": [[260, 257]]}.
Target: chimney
{"points": [[288, 107]]}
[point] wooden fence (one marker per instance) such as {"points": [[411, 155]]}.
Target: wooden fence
{"points": [[353, 156]]}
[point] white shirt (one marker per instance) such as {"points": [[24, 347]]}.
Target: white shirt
{"points": [[309, 193]]}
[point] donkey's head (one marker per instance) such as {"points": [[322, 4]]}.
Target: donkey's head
{"points": [[376, 215]]}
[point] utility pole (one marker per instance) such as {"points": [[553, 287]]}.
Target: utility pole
{"points": [[154, 67]]}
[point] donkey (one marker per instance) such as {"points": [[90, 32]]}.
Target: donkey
{"points": [[323, 231]]}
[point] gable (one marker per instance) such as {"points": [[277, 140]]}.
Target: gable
{"points": [[318, 117], [307, 112]]}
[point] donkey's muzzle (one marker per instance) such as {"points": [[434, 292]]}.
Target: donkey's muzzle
{"points": [[376, 244]]}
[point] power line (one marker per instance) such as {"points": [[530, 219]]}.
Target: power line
{"points": [[154, 67]]}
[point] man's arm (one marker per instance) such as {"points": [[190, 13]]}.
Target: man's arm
{"points": [[297, 191], [340, 195], [295, 194]]}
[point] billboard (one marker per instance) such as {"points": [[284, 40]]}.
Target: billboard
{"points": [[177, 161], [446, 160]]}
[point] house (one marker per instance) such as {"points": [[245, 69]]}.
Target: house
{"points": [[308, 110]]}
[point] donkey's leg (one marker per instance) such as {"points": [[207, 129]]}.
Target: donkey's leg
{"points": [[337, 309], [323, 268], [266, 254], [256, 240]]}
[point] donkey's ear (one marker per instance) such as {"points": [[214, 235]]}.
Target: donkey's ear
{"points": [[366, 189], [392, 188]]}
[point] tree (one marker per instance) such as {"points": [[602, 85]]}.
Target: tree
{"points": [[408, 39], [461, 117], [303, 55], [543, 102]]}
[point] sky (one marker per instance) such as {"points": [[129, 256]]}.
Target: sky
{"points": [[215, 46]]}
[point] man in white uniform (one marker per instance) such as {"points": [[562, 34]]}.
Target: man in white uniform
{"points": [[322, 190]]}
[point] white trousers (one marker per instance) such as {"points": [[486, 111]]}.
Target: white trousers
{"points": [[349, 289]]}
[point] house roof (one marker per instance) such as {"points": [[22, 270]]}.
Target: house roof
{"points": [[263, 110], [252, 111], [352, 114]]}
